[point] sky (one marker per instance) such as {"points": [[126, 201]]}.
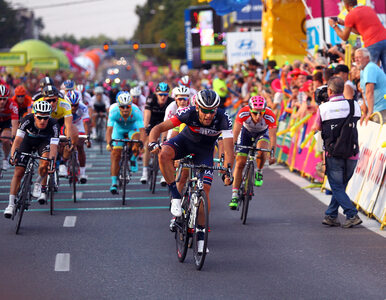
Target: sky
{"points": [[114, 18]]}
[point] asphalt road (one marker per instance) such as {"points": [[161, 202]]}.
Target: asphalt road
{"points": [[115, 252]]}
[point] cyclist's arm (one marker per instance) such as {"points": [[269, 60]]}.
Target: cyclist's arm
{"points": [[158, 129], [228, 151], [109, 131], [87, 126], [146, 117], [142, 135], [53, 151], [236, 131], [72, 131], [272, 138], [17, 142], [15, 125]]}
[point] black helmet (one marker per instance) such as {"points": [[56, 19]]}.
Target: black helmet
{"points": [[208, 99], [50, 91], [46, 81], [163, 87]]}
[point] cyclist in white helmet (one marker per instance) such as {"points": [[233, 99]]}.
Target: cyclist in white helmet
{"points": [[138, 98]]}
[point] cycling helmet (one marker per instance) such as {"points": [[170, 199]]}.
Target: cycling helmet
{"points": [[20, 90], [181, 90], [257, 103], [42, 107], [162, 87], [46, 81], [124, 98], [4, 91], [69, 85], [98, 90], [50, 91], [80, 88], [184, 81], [135, 91], [73, 97], [207, 99]]}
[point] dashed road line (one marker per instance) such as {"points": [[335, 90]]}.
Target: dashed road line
{"points": [[69, 221], [62, 262]]}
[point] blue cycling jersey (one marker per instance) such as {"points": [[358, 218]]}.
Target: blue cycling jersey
{"points": [[134, 121]]}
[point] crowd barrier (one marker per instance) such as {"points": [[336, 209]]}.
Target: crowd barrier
{"points": [[367, 188]]}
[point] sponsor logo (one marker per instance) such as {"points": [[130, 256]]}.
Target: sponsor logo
{"points": [[245, 44]]}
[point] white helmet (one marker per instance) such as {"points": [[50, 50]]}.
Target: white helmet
{"points": [[181, 90], [124, 98], [135, 91], [99, 90], [42, 107]]}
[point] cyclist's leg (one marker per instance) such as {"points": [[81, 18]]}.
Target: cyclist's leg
{"points": [[81, 154], [134, 135], [261, 158], [6, 132], [43, 150], [118, 133], [145, 158]]}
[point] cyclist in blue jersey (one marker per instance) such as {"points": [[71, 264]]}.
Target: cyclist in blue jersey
{"points": [[204, 123], [125, 121]]}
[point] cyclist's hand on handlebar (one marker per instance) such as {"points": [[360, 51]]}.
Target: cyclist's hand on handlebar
{"points": [[12, 161], [154, 147], [88, 143], [109, 147]]}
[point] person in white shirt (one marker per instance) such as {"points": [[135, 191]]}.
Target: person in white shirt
{"points": [[138, 98]]}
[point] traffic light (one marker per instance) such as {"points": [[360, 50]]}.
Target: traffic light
{"points": [[106, 47], [135, 46], [162, 45]]}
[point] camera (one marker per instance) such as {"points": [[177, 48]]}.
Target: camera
{"points": [[321, 95]]}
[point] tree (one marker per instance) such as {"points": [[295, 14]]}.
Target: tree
{"points": [[10, 31]]}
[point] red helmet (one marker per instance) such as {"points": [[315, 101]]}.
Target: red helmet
{"points": [[257, 103], [185, 81], [4, 91], [20, 90]]}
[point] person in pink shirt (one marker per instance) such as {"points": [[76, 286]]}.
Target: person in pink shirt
{"points": [[363, 20]]}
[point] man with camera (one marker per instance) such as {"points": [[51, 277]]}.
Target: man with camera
{"points": [[338, 118]]}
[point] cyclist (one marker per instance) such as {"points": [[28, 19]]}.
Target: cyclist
{"points": [[61, 111], [124, 119], [67, 85], [186, 82], [154, 114], [204, 123], [255, 121], [138, 98], [37, 132], [45, 81], [81, 120], [22, 100], [100, 104], [9, 118], [86, 97]]}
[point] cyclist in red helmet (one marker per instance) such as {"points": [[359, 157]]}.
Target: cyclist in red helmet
{"points": [[23, 101], [255, 121]]}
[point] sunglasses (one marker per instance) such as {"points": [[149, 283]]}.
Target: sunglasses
{"points": [[51, 100], [125, 106], [3, 99], [163, 94], [182, 98], [20, 96], [261, 112], [74, 105], [42, 117], [208, 111]]}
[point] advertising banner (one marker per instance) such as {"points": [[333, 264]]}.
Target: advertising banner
{"points": [[188, 40], [251, 12], [45, 63], [213, 53], [13, 59], [242, 46]]}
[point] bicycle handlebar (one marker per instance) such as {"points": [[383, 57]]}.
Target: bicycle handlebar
{"points": [[255, 148], [127, 141]]}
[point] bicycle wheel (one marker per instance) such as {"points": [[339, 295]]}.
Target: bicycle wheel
{"points": [[124, 175], [199, 258], [248, 189], [21, 204], [182, 230], [155, 169], [51, 190], [73, 174]]}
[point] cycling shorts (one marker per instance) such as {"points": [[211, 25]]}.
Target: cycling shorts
{"points": [[30, 145], [121, 133], [5, 125], [202, 154], [245, 139]]}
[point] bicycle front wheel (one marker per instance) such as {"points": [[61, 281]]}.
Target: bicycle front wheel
{"points": [[182, 230], [124, 176], [51, 190], [154, 174], [21, 204], [248, 190], [73, 175], [201, 229]]}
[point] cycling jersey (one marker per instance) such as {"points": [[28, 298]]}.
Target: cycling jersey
{"points": [[198, 133], [121, 127], [104, 103], [244, 117], [9, 112], [171, 110], [63, 109], [81, 115], [86, 98], [157, 111], [23, 107], [141, 102], [36, 139]]}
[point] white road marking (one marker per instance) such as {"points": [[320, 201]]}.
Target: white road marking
{"points": [[88, 165], [62, 262], [370, 224], [69, 221]]}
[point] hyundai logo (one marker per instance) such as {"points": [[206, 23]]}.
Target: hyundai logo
{"points": [[245, 44]]}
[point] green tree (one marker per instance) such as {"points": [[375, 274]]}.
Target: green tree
{"points": [[10, 31]]}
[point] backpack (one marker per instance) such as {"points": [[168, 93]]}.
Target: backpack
{"points": [[344, 142]]}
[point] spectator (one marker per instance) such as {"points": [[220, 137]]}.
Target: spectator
{"points": [[338, 170], [363, 20], [373, 85], [349, 87], [220, 87]]}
